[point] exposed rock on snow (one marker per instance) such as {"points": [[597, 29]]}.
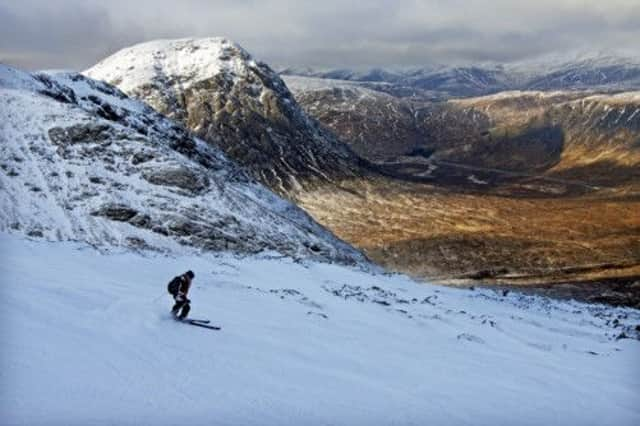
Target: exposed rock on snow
{"points": [[215, 88], [177, 176], [81, 161], [119, 212]]}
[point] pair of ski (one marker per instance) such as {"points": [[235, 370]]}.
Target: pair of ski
{"points": [[199, 323]]}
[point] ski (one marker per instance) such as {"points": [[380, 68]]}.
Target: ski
{"points": [[198, 322], [201, 324], [201, 321]]}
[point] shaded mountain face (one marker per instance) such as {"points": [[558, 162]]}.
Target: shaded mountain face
{"points": [[376, 125], [592, 138], [500, 138], [82, 161], [214, 88]]}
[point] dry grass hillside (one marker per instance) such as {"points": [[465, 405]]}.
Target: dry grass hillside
{"points": [[458, 238], [519, 188]]}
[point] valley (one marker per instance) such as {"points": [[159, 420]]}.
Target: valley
{"points": [[462, 238], [518, 188]]}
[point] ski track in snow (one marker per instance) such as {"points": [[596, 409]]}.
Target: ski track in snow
{"points": [[87, 339]]}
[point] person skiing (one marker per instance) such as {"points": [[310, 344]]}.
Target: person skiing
{"points": [[179, 288]]}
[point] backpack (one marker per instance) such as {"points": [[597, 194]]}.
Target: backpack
{"points": [[174, 286]]}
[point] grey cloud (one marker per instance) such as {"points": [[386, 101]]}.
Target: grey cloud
{"points": [[76, 33], [69, 35]]}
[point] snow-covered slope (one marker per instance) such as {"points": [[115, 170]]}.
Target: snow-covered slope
{"points": [[87, 339], [82, 161], [594, 71], [216, 89], [175, 63]]}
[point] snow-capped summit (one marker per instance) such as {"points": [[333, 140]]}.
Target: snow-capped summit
{"points": [[216, 89], [82, 161], [182, 62]]}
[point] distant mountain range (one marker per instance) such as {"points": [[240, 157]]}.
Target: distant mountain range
{"points": [[593, 72]]}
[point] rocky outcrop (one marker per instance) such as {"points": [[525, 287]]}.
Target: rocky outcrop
{"points": [[80, 133], [118, 212], [176, 176]]}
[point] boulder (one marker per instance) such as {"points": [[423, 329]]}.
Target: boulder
{"points": [[117, 212], [176, 176]]}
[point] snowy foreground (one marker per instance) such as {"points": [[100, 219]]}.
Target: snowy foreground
{"points": [[87, 340]]}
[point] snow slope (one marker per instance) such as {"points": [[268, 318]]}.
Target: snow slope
{"points": [[87, 339], [82, 161]]}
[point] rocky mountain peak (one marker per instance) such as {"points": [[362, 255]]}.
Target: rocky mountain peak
{"points": [[216, 89], [181, 62]]}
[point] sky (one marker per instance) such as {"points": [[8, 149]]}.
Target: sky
{"points": [[75, 34]]}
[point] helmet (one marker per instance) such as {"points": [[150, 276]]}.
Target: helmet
{"points": [[190, 274]]}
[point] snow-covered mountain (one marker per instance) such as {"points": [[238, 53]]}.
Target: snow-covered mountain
{"points": [[216, 89], [582, 72], [82, 161], [435, 83], [586, 71]]}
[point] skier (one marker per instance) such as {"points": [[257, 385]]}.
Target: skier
{"points": [[179, 288]]}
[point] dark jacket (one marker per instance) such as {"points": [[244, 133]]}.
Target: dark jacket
{"points": [[183, 284]]}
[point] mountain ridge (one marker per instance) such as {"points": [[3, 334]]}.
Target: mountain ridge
{"points": [[82, 161]]}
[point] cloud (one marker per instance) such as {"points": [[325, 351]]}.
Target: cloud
{"points": [[75, 33]]}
